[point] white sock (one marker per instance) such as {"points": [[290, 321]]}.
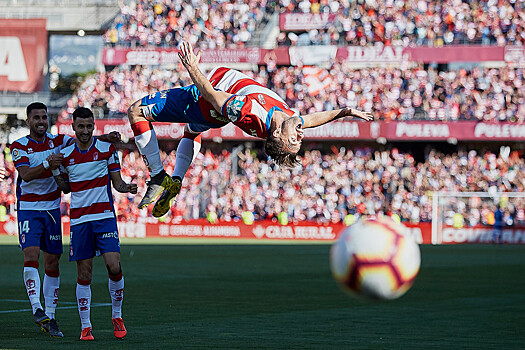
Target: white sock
{"points": [[116, 292], [187, 151], [149, 147], [51, 288], [32, 282], [84, 304]]}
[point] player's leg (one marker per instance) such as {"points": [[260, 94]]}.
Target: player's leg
{"points": [[82, 250], [52, 250], [83, 293], [187, 150], [146, 141], [30, 229], [107, 242], [116, 292]]}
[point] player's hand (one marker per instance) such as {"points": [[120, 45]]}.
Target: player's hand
{"points": [[55, 160], [187, 56], [132, 188], [114, 137], [351, 112]]}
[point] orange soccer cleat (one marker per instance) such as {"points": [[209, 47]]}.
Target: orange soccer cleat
{"points": [[86, 334], [119, 329]]}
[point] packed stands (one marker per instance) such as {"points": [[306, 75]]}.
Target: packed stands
{"points": [[489, 94], [326, 188], [206, 24]]}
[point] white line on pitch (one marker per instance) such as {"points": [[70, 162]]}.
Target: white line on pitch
{"points": [[58, 308]]}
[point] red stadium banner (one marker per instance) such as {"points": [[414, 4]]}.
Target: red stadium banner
{"points": [[161, 56], [342, 130], [305, 21], [272, 231], [23, 54]]}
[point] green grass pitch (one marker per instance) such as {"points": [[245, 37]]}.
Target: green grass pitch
{"points": [[246, 296]]}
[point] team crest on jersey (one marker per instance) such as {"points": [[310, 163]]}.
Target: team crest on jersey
{"points": [[51, 145], [95, 156], [261, 99], [233, 110]]}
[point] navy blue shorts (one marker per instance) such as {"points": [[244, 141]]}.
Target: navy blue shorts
{"points": [[40, 228], [93, 238]]}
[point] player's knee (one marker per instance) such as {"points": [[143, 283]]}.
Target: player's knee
{"points": [[84, 274], [114, 268], [52, 262], [134, 113], [31, 254]]}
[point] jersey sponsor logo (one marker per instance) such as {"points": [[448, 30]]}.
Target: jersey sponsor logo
{"points": [[233, 110], [16, 155]]}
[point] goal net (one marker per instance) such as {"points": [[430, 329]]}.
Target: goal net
{"points": [[469, 217]]}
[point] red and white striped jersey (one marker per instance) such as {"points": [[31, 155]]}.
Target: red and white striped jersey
{"points": [[88, 173], [252, 106], [41, 193]]}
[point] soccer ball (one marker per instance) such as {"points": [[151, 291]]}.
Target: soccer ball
{"points": [[374, 259]]}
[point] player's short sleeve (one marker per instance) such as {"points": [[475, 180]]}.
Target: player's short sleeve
{"points": [[19, 154], [234, 107], [113, 160]]}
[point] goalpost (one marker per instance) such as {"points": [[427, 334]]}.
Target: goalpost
{"points": [[471, 224]]}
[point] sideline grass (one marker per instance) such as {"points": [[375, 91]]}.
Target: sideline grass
{"points": [[279, 297]]}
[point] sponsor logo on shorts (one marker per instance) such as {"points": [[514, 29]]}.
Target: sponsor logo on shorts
{"points": [[55, 238], [110, 235]]}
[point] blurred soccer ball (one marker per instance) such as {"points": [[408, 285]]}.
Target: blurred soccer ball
{"points": [[373, 258]]}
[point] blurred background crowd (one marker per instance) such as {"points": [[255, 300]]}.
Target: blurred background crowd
{"points": [[488, 94], [328, 187]]}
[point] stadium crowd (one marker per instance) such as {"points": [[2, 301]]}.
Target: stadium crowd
{"points": [[219, 24], [206, 24], [326, 188], [411, 22], [391, 93]]}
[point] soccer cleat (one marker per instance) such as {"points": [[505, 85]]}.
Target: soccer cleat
{"points": [[156, 185], [86, 334], [118, 328], [54, 331], [42, 320], [165, 201]]}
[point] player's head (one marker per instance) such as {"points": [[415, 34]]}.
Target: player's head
{"points": [[37, 119], [83, 124], [285, 142]]}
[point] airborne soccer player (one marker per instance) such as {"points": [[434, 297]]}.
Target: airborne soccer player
{"points": [[226, 96], [90, 164]]}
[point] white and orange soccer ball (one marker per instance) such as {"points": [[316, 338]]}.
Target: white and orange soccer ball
{"points": [[374, 258]]}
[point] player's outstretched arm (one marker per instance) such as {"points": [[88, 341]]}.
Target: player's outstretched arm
{"points": [[189, 61], [112, 137], [319, 118], [119, 185]]}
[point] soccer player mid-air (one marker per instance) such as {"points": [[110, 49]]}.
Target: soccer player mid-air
{"points": [[90, 164], [225, 96]]}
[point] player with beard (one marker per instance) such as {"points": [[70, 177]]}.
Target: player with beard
{"points": [[38, 206], [91, 165]]}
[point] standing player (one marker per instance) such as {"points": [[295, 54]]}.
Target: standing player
{"points": [[90, 164], [225, 96], [38, 203]]}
